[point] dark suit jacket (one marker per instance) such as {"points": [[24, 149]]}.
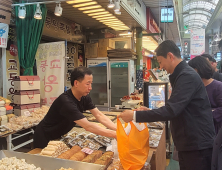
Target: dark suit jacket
{"points": [[217, 152]]}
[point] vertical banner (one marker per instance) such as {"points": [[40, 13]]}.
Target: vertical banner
{"points": [[10, 64], [197, 42], [3, 35], [50, 60]]}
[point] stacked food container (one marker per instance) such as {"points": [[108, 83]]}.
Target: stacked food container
{"points": [[27, 94]]}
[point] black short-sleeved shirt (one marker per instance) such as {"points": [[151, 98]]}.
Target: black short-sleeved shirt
{"points": [[61, 116]]}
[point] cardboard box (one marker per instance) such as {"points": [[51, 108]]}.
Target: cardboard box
{"points": [[20, 109], [27, 97], [3, 120], [91, 50], [27, 83], [107, 43], [102, 51]]}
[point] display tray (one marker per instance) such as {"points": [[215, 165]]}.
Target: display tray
{"points": [[91, 118], [48, 163]]}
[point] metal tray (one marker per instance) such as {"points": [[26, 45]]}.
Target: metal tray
{"points": [[48, 163]]}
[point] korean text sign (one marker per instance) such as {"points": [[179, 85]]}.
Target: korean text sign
{"points": [[3, 35], [197, 42], [50, 59]]}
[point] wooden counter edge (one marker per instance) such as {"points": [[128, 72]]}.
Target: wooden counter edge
{"points": [[35, 151]]}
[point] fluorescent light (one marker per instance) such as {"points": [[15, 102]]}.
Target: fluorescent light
{"points": [[106, 18], [89, 7], [98, 13], [38, 12], [58, 10], [77, 1], [85, 4], [22, 11], [113, 23], [95, 10], [101, 16]]}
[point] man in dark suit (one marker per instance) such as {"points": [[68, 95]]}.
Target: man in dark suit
{"points": [[188, 108]]}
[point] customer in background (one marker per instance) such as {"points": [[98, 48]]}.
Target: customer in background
{"points": [[188, 109], [216, 75], [213, 87]]}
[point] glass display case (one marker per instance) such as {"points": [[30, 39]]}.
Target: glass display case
{"points": [[155, 94]]}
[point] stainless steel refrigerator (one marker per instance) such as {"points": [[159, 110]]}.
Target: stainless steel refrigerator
{"points": [[112, 79]]}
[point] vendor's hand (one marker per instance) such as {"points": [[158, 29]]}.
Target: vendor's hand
{"points": [[114, 134], [142, 108], [127, 115]]}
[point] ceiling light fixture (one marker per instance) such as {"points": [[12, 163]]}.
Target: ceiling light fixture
{"points": [[22, 11], [101, 16], [58, 9], [117, 12], [95, 10], [98, 13], [85, 4], [111, 4], [38, 12], [117, 5], [77, 1], [106, 18], [90, 7]]}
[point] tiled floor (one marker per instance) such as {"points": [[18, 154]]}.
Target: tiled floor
{"points": [[172, 164]]}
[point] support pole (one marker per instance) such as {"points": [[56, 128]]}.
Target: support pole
{"points": [[139, 63]]}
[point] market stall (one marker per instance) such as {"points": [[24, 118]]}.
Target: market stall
{"points": [[81, 138]]}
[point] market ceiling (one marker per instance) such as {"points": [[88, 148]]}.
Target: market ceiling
{"points": [[197, 14]]}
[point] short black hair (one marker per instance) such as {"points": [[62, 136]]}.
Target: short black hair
{"points": [[210, 58], [79, 74], [203, 67], [213, 60], [167, 46]]}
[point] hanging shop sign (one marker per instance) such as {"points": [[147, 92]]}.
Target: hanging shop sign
{"points": [[152, 26], [61, 28], [137, 9], [3, 35], [197, 42], [10, 64], [5, 11], [50, 60]]}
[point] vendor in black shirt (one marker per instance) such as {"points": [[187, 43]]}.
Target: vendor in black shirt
{"points": [[188, 109], [67, 111]]}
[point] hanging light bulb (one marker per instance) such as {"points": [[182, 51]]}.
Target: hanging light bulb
{"points": [[38, 12], [58, 9], [117, 12], [117, 5], [22, 11], [111, 4]]}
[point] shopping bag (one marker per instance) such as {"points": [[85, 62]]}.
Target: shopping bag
{"points": [[133, 148]]}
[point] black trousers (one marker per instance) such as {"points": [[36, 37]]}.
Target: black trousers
{"points": [[195, 160]]}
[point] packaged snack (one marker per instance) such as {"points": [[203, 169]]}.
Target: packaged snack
{"points": [[82, 136], [76, 141], [103, 140]]}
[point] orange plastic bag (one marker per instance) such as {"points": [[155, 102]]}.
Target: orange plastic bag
{"points": [[133, 148]]}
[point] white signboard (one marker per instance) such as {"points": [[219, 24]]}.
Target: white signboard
{"points": [[3, 35], [137, 9], [197, 42], [50, 59]]}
